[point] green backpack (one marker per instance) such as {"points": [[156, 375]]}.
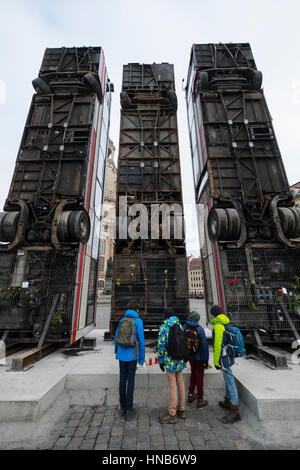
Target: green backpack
{"points": [[126, 333]]}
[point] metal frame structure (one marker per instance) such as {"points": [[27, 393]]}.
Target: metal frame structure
{"points": [[152, 271], [249, 225], [50, 229]]}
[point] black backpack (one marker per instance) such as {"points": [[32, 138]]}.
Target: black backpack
{"points": [[192, 339], [177, 347]]}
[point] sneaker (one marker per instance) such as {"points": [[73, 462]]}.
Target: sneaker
{"points": [[201, 403], [181, 414], [130, 414], [190, 399], [166, 418], [121, 412]]}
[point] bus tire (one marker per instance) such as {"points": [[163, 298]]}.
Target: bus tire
{"points": [[93, 84], [217, 223], [8, 226], [41, 87], [79, 226]]}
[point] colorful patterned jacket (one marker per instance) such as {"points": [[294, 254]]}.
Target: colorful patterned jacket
{"points": [[163, 358]]}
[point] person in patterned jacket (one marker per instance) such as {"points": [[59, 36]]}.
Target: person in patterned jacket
{"points": [[173, 370]]}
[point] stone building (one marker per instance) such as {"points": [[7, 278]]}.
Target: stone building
{"points": [[106, 249], [196, 283]]}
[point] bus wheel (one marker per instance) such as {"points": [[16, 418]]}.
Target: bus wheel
{"points": [[257, 79], [203, 81], [79, 226], [8, 226], [91, 82], [41, 87], [172, 97], [234, 224], [217, 224], [125, 101], [288, 222], [296, 212]]}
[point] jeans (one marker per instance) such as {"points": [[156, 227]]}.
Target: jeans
{"points": [[127, 377], [197, 375], [175, 379], [231, 391]]}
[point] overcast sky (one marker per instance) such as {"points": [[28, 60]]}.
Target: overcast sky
{"points": [[150, 31]]}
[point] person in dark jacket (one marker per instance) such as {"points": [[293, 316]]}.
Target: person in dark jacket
{"points": [[224, 362], [198, 361], [128, 358]]}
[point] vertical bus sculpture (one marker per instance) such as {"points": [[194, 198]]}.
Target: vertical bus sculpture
{"points": [[249, 225], [50, 227], [152, 270]]}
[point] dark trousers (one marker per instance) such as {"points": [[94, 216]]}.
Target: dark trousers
{"points": [[127, 377], [197, 375]]}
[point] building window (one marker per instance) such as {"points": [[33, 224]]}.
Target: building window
{"points": [[101, 263], [100, 284]]}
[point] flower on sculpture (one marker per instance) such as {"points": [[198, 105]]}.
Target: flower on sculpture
{"points": [[233, 282]]}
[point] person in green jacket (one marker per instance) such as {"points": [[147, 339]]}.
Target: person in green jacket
{"points": [[224, 362]]}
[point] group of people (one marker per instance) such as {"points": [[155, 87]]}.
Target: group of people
{"points": [[130, 350]]}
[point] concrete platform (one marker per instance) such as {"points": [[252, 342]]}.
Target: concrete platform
{"points": [[92, 378]]}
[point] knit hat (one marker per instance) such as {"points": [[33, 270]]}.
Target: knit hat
{"points": [[194, 316], [168, 312], [215, 310]]}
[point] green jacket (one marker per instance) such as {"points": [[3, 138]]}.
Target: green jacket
{"points": [[219, 329]]}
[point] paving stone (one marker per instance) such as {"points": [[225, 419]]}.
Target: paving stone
{"points": [[154, 448], [182, 435], [117, 431], [100, 447], [197, 441], [92, 433], [87, 444], [185, 445], [143, 436], [75, 443], [208, 435], [115, 443], [242, 445], [61, 443], [68, 432], [143, 445], [213, 445], [204, 427], [226, 443], [81, 431], [156, 440], [170, 440], [129, 444], [103, 438], [73, 423]]}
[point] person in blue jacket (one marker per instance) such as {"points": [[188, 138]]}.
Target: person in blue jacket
{"points": [[198, 361], [128, 358]]}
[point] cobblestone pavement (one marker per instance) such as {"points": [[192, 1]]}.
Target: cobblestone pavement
{"points": [[100, 428]]}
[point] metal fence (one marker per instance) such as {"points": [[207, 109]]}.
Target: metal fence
{"points": [[26, 295], [260, 286]]}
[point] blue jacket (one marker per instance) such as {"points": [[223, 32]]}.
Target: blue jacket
{"points": [[137, 352], [202, 353], [163, 335]]}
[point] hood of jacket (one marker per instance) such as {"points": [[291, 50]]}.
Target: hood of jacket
{"points": [[131, 314], [220, 319], [171, 321]]}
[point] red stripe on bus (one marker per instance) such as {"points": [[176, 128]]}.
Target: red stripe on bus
{"points": [[80, 269], [79, 280], [88, 195], [202, 145]]}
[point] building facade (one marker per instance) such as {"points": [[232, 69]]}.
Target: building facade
{"points": [[196, 283], [106, 249]]}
